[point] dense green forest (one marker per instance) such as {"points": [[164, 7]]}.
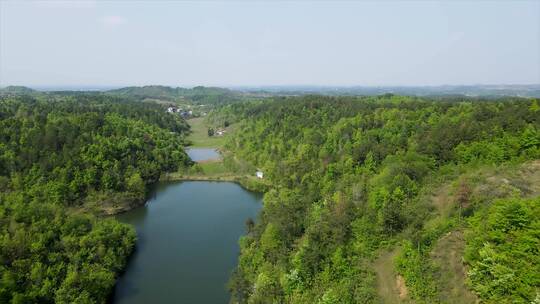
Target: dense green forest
{"points": [[503, 251], [355, 176], [63, 161], [200, 95], [353, 179]]}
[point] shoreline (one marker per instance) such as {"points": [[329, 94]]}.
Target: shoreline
{"points": [[246, 182]]}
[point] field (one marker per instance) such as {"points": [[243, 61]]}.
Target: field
{"points": [[199, 135], [216, 170]]}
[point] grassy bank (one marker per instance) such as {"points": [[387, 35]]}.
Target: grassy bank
{"points": [[217, 171], [228, 168]]}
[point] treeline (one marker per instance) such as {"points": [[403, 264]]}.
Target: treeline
{"points": [[347, 173], [195, 95], [59, 156], [198, 95]]}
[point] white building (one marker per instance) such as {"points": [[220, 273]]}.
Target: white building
{"points": [[259, 174]]}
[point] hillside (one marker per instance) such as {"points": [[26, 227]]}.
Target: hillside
{"points": [[442, 270], [65, 161], [16, 90], [196, 95], [372, 193]]}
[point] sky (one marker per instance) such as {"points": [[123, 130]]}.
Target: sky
{"points": [[268, 43]]}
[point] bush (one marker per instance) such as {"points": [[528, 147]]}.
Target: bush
{"points": [[503, 251]]}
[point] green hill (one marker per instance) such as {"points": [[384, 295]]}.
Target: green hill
{"points": [[383, 199], [197, 95], [16, 90]]}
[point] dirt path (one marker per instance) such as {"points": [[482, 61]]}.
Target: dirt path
{"points": [[447, 254], [390, 286], [447, 257], [442, 201]]}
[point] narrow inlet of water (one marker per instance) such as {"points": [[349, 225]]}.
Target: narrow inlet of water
{"points": [[187, 243]]}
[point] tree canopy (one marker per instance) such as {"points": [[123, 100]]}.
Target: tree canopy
{"points": [[62, 160], [347, 173]]}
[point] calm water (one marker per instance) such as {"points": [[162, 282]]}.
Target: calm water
{"points": [[188, 243], [202, 154]]}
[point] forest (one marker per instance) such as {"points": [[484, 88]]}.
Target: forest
{"points": [[356, 183], [199, 95], [354, 177], [64, 162]]}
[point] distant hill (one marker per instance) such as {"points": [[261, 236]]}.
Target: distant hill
{"points": [[532, 90], [199, 94], [217, 95], [147, 92], [16, 90]]}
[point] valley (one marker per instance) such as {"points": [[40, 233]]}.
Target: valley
{"points": [[332, 199]]}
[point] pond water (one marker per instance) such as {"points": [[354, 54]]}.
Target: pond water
{"points": [[187, 243], [202, 154]]}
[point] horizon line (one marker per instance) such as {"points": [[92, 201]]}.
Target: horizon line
{"points": [[97, 87]]}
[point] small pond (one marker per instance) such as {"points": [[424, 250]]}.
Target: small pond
{"points": [[203, 154]]}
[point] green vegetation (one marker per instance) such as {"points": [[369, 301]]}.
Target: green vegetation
{"points": [[504, 251], [440, 263], [60, 157], [15, 90], [229, 167], [200, 138], [450, 273], [353, 176], [197, 95], [367, 199]]}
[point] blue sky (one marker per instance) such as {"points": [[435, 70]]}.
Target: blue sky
{"points": [[231, 43]]}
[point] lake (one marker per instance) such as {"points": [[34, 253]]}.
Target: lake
{"points": [[187, 243], [203, 154]]}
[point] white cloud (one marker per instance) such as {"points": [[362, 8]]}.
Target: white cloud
{"points": [[112, 21]]}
